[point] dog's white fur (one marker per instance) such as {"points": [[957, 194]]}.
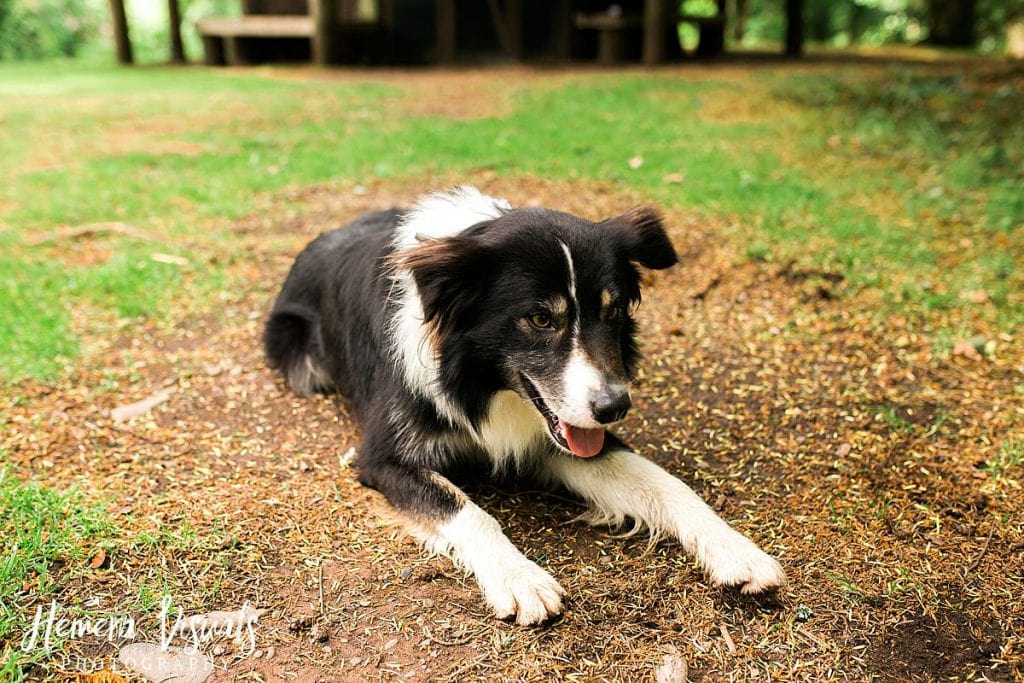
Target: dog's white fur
{"points": [[581, 380], [618, 485], [511, 583], [438, 215], [623, 485]]}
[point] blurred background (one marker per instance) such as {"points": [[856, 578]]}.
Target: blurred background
{"points": [[82, 29]]}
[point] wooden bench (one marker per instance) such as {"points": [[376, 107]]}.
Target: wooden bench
{"points": [[611, 33], [224, 38]]}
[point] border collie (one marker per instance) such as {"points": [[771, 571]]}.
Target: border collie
{"points": [[465, 331]]}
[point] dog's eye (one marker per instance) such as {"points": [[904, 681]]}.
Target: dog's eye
{"points": [[541, 320]]}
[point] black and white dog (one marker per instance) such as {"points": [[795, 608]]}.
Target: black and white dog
{"points": [[463, 330]]}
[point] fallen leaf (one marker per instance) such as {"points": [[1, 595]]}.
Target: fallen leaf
{"points": [[965, 349], [99, 559], [975, 296], [674, 178], [172, 664], [843, 450], [636, 162], [103, 676], [727, 638], [127, 412]]}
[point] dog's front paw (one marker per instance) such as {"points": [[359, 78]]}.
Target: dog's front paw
{"points": [[736, 561], [522, 590]]}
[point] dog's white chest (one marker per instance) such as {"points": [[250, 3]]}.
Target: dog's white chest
{"points": [[512, 430]]}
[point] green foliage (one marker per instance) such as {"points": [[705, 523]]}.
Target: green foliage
{"points": [[874, 22], [34, 339], [149, 26], [44, 29], [41, 530]]}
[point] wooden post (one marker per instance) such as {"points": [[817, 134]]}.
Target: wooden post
{"points": [[794, 28], [445, 16], [119, 23], [514, 15], [174, 20], [654, 31], [563, 30], [325, 14]]}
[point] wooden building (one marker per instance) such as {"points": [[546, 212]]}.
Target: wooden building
{"points": [[443, 31]]}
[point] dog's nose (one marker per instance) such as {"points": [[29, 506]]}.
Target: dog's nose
{"points": [[611, 404]]}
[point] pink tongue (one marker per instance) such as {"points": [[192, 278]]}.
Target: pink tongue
{"points": [[585, 443]]}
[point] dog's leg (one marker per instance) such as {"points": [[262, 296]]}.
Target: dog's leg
{"points": [[448, 522], [622, 484]]}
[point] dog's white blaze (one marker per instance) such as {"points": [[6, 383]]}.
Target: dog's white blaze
{"points": [[572, 270], [437, 215], [512, 584], [580, 381], [511, 431], [572, 289], [624, 485]]}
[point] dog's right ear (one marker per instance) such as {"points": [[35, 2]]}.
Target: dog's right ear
{"points": [[449, 274], [647, 242]]}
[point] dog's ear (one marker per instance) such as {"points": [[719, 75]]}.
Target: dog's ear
{"points": [[449, 274], [646, 241]]}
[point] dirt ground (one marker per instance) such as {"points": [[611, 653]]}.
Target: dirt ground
{"points": [[836, 440]]}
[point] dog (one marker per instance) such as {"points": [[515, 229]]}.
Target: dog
{"points": [[464, 331]]}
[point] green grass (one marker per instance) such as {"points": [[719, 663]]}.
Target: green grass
{"points": [[1005, 463], [41, 530], [179, 153]]}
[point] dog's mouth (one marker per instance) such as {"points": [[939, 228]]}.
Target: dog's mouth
{"points": [[580, 441]]}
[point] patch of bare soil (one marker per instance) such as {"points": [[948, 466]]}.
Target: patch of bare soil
{"points": [[468, 93], [837, 441]]}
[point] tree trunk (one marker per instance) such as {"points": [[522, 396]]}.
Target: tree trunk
{"points": [[445, 13], [654, 31], [794, 28], [325, 20], [951, 22], [858, 13], [119, 24], [174, 22], [739, 26]]}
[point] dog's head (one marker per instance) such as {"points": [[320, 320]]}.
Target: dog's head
{"points": [[541, 302]]}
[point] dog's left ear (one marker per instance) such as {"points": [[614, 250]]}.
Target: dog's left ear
{"points": [[646, 241], [449, 273]]}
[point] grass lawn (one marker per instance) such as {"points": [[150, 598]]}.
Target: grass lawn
{"points": [[841, 344]]}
